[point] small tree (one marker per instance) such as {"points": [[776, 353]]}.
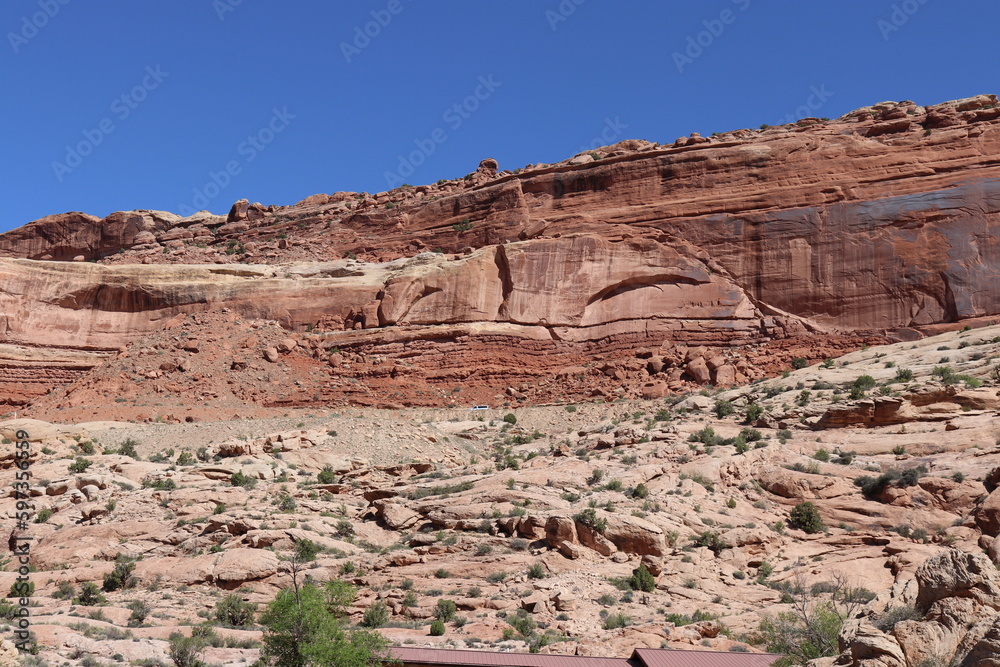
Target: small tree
{"points": [[642, 580], [445, 610], [810, 630], [308, 627], [805, 517], [232, 610]]}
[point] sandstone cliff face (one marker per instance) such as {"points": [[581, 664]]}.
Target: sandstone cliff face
{"points": [[885, 220]]}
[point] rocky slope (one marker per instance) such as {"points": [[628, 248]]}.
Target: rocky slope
{"points": [[531, 523], [879, 223]]}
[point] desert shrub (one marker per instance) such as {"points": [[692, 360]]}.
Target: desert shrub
{"points": [[445, 610], [537, 571], [799, 362], [710, 539], [640, 491], [642, 580], [44, 515], [510, 418], [589, 518], [233, 610], [128, 448], [706, 436], [326, 475], [888, 619], [376, 615], [753, 413], [723, 409], [80, 465], [120, 577], [805, 517], [239, 479], [614, 621], [89, 596], [184, 650], [140, 610], [437, 628], [903, 375]]}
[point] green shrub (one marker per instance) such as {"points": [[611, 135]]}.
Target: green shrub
{"points": [[903, 375], [437, 628], [233, 610], [805, 517], [537, 571], [799, 362], [376, 615], [614, 621], [445, 610], [821, 455], [80, 465], [753, 413], [90, 595], [510, 418], [589, 518], [239, 479], [706, 436], [723, 409], [120, 577], [44, 515], [642, 580], [640, 491], [326, 475], [710, 539], [128, 448]]}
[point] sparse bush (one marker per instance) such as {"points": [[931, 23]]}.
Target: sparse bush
{"points": [[140, 610], [445, 610], [723, 409], [537, 571], [90, 595], [589, 518], [233, 610], [710, 539], [821, 455], [510, 418], [903, 375], [805, 517], [239, 479], [376, 615], [326, 475], [44, 515], [640, 491], [128, 448], [80, 465], [120, 577], [753, 413], [888, 619]]}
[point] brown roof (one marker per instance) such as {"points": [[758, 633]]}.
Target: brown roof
{"points": [[654, 657], [440, 656], [641, 657]]}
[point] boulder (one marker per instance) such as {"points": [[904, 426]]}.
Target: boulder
{"points": [[237, 566]]}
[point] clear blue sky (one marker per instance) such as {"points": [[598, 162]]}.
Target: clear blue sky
{"points": [[157, 96]]}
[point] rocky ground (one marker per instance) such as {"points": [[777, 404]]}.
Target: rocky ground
{"points": [[531, 519]]}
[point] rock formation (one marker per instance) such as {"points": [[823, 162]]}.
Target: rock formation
{"points": [[879, 223]]}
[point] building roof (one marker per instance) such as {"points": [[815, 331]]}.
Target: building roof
{"points": [[641, 657]]}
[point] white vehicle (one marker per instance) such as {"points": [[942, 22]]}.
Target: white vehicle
{"points": [[480, 407]]}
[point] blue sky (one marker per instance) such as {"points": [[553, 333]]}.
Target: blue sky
{"points": [[187, 104]]}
